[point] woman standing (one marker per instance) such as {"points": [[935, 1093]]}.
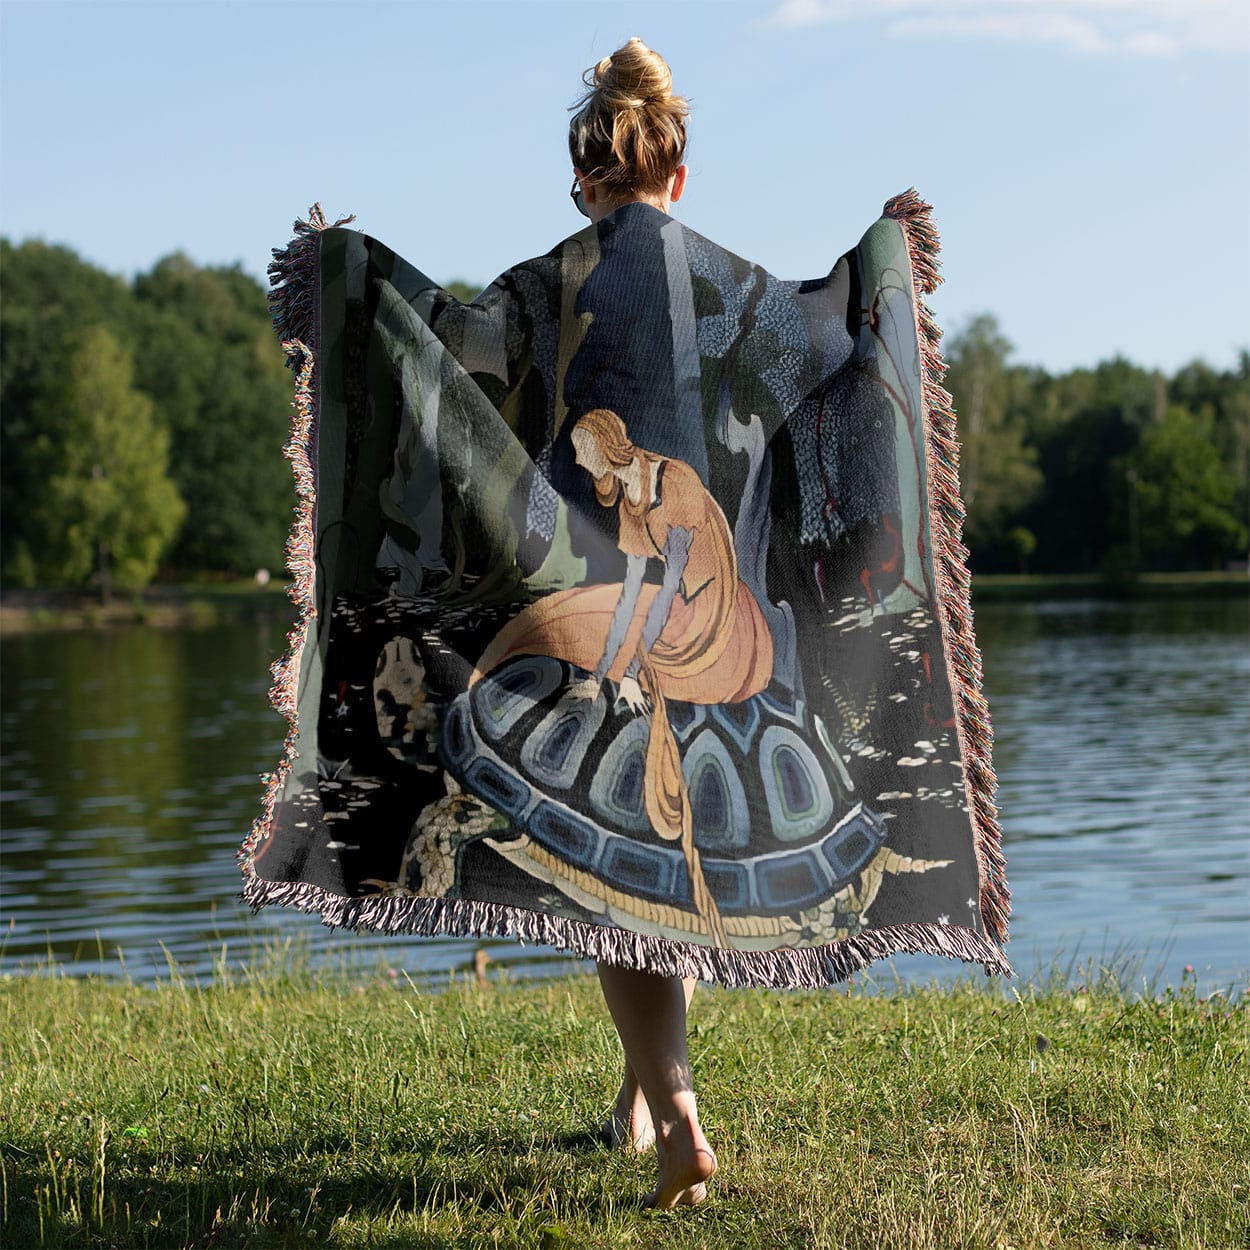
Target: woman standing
{"points": [[635, 620], [628, 144], [699, 636]]}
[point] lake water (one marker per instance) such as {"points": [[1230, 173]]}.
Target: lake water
{"points": [[131, 759]]}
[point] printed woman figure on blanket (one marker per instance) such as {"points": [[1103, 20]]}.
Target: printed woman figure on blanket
{"points": [[699, 636]]}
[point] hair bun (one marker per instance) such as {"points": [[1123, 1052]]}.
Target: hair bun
{"points": [[629, 132], [634, 76]]}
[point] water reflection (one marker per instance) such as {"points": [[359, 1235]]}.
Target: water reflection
{"points": [[131, 762], [1123, 732]]}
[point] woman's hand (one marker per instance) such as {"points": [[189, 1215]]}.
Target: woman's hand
{"points": [[587, 688], [631, 692]]}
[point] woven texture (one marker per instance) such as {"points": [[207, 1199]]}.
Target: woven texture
{"points": [[634, 616]]}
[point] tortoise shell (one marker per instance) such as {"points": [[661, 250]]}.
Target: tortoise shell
{"points": [[774, 814]]}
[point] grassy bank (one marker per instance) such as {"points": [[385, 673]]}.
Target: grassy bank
{"points": [[191, 603], [210, 603], [1003, 587], [284, 1110]]}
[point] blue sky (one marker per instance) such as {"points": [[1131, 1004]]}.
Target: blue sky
{"points": [[1088, 160]]}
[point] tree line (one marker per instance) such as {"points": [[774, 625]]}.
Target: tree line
{"points": [[1113, 470], [142, 423]]}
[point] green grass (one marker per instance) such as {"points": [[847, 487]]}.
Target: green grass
{"points": [[287, 1109]]}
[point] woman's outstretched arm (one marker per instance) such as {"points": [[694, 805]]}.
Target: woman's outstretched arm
{"points": [[675, 554], [626, 606]]}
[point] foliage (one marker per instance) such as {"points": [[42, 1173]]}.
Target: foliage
{"points": [[207, 351], [465, 292], [104, 503], [1024, 543], [281, 1110], [998, 469], [206, 359], [1186, 490], [1223, 401], [1113, 468], [1056, 457], [51, 297]]}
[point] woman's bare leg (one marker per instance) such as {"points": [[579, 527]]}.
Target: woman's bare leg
{"points": [[629, 1124], [650, 1015]]}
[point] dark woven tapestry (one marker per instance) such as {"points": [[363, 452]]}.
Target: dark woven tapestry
{"points": [[634, 616]]}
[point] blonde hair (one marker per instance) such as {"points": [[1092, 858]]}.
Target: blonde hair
{"points": [[616, 447], [629, 132]]}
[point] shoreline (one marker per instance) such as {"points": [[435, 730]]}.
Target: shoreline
{"points": [[203, 604], [176, 605], [1123, 975], [1035, 587]]}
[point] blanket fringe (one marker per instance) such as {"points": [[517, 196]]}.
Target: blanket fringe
{"points": [[294, 296], [294, 303], [976, 735], [804, 968]]}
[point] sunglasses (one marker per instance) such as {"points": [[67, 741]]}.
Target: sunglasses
{"points": [[576, 196]]}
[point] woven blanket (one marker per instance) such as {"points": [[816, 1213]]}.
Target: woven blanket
{"points": [[634, 618]]}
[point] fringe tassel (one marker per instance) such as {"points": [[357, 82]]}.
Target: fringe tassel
{"points": [[976, 737], [294, 303], [808, 968], [294, 280]]}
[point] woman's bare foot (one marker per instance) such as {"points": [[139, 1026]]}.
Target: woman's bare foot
{"points": [[629, 1125], [686, 1165]]}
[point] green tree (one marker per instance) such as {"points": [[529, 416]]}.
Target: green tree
{"points": [[1185, 494], [465, 292], [208, 358], [51, 296], [1085, 424], [997, 467], [1221, 397], [1024, 543], [103, 504]]}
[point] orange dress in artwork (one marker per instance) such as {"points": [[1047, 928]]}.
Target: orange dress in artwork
{"points": [[714, 647]]}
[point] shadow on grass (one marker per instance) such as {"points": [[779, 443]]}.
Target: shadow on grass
{"points": [[262, 1197]]}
